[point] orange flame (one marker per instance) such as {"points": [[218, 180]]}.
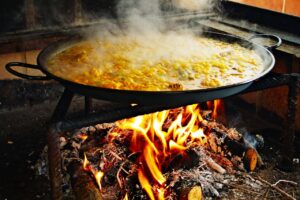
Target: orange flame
{"points": [[83, 136], [85, 163], [99, 175], [150, 156], [156, 142], [145, 184], [126, 197], [174, 146], [161, 193], [215, 106], [157, 137]]}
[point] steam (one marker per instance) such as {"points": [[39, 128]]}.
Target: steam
{"points": [[141, 16], [193, 5], [142, 21], [144, 16]]}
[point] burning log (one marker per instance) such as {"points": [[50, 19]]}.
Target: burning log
{"points": [[154, 154], [83, 185], [223, 140], [260, 162], [250, 159], [191, 193]]}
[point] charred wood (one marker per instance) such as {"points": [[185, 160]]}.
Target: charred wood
{"points": [[250, 159], [83, 185]]}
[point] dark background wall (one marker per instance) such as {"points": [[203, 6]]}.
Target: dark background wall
{"points": [[16, 15], [20, 15], [12, 15]]}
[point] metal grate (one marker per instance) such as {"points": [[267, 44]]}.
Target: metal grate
{"points": [[59, 125]]}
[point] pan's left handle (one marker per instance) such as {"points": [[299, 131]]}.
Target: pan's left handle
{"points": [[9, 67], [268, 36]]}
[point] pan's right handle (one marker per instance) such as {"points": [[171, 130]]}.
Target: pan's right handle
{"points": [[270, 36], [9, 67]]}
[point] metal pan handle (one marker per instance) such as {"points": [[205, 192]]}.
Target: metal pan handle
{"points": [[9, 68], [270, 36]]}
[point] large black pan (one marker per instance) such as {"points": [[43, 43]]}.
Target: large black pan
{"points": [[151, 97]]}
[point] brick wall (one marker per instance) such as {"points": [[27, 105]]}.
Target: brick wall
{"points": [[291, 7]]}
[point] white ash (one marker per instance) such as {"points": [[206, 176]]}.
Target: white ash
{"points": [[41, 165]]}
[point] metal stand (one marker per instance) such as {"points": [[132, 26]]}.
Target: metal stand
{"points": [[287, 149], [60, 125]]}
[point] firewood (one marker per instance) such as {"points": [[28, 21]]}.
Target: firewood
{"points": [[83, 185], [223, 161], [230, 141], [212, 164], [260, 161], [251, 156], [212, 143], [235, 147], [191, 193], [250, 159]]}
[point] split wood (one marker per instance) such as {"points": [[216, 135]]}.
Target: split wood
{"points": [[212, 164]]}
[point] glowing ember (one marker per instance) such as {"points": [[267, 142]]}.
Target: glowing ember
{"points": [[83, 136]]}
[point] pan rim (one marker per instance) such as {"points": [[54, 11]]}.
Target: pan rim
{"points": [[55, 47]]}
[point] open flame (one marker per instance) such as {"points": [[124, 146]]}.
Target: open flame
{"points": [[157, 137], [85, 163], [216, 106], [126, 197], [98, 174]]}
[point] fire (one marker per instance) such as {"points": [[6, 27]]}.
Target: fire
{"points": [[161, 193], [157, 141], [145, 184], [157, 138], [174, 146], [126, 197], [154, 167], [83, 137], [85, 163], [215, 106], [98, 175]]}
